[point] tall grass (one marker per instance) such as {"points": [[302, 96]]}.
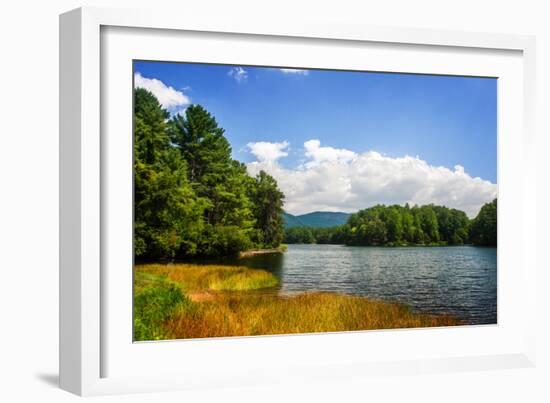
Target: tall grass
{"points": [[231, 310], [305, 313], [193, 278]]}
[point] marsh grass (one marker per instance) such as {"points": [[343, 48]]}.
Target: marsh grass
{"points": [[232, 310], [196, 278], [304, 313]]}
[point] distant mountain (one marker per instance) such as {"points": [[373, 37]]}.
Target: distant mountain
{"points": [[292, 221], [317, 219]]}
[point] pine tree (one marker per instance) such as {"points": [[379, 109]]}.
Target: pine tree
{"points": [[167, 213], [268, 209]]}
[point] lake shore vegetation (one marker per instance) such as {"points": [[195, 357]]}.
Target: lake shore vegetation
{"points": [[191, 198], [395, 225], [174, 301]]}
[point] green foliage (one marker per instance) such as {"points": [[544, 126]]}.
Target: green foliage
{"points": [[166, 207], [211, 171], [373, 232], [394, 225], [403, 225], [267, 202], [299, 235], [202, 144], [191, 198], [150, 137], [156, 300], [453, 225], [484, 226], [219, 240]]}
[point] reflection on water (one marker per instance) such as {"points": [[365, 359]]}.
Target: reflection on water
{"points": [[460, 280]]}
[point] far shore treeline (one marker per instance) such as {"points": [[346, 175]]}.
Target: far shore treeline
{"points": [[404, 225], [191, 199]]}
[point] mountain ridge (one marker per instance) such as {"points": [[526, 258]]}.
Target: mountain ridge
{"points": [[315, 219]]}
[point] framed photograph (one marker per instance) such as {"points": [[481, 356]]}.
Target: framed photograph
{"points": [[250, 202]]}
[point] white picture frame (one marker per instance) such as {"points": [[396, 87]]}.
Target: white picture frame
{"points": [[91, 361]]}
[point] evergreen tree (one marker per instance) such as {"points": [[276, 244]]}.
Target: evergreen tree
{"points": [[202, 144], [150, 137], [268, 209], [165, 205], [211, 170], [190, 197]]}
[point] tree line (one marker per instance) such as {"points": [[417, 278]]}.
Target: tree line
{"points": [[404, 225], [190, 197]]}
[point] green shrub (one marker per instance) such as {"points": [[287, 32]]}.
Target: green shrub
{"points": [[225, 241], [155, 301]]}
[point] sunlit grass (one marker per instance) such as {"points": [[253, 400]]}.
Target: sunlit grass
{"points": [[229, 310], [305, 313], [193, 278]]}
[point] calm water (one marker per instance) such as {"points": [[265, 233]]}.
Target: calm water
{"points": [[460, 280]]}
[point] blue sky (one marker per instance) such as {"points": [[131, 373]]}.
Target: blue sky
{"points": [[444, 121]]}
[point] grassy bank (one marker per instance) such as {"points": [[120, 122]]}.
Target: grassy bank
{"points": [[192, 301], [198, 278]]}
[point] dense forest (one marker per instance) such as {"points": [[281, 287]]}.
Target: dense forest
{"points": [[190, 197], [398, 225]]}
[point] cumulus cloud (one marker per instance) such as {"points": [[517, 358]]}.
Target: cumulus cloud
{"points": [[295, 71], [169, 98], [267, 152], [318, 154], [238, 73], [341, 180]]}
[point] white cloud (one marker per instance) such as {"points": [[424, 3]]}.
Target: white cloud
{"points": [[267, 152], [318, 154], [295, 71], [168, 97], [238, 73], [341, 180]]}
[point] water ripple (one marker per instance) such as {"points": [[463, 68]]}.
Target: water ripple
{"points": [[461, 281]]}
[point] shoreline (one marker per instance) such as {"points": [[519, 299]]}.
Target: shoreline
{"points": [[255, 252], [189, 301]]}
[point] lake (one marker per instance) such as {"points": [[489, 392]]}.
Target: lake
{"points": [[459, 280]]}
